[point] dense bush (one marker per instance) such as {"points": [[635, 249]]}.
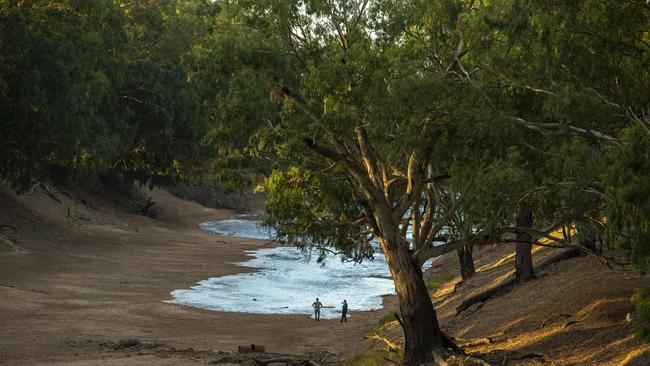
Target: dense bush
{"points": [[641, 300]]}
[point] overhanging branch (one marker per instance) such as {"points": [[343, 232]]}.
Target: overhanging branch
{"points": [[541, 127], [431, 251]]}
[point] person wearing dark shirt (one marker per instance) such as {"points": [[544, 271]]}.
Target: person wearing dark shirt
{"points": [[344, 311], [316, 305]]}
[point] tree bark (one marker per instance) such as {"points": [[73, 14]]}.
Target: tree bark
{"points": [[466, 262], [523, 256], [424, 341]]}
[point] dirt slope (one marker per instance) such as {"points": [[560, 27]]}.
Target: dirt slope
{"points": [[86, 274], [101, 274], [573, 313]]}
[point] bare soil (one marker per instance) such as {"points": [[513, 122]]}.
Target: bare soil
{"points": [[86, 281], [78, 282]]}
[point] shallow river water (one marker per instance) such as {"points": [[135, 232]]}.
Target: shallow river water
{"points": [[287, 280]]}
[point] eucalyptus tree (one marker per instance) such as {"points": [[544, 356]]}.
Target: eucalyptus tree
{"points": [[60, 73], [166, 110], [370, 127], [580, 86]]}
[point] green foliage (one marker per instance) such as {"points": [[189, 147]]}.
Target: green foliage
{"points": [[310, 210], [580, 66], [165, 110], [60, 73], [436, 282], [97, 85], [627, 178], [373, 357], [641, 301], [388, 318]]}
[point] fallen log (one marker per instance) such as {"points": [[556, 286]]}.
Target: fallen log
{"points": [[567, 254], [528, 355], [501, 288], [509, 283]]}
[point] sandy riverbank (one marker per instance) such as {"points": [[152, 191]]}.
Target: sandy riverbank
{"points": [[105, 279], [88, 274]]}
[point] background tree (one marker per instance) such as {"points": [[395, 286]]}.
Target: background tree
{"points": [[93, 86], [165, 105], [60, 74], [580, 85]]}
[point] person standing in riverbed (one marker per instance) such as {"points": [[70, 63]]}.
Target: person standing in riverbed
{"points": [[344, 311], [317, 305]]}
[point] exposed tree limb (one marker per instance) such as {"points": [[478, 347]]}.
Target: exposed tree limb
{"points": [[430, 251], [371, 190], [369, 158], [539, 126]]}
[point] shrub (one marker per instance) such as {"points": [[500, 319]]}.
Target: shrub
{"points": [[435, 283], [373, 357], [388, 318], [641, 301]]}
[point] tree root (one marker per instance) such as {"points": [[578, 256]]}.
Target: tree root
{"points": [[449, 343], [499, 356], [457, 286], [477, 342], [569, 323], [509, 284], [554, 318]]}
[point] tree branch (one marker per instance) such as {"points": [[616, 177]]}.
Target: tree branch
{"points": [[538, 126], [430, 251]]}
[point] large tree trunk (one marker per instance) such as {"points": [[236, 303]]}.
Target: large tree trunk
{"points": [[466, 262], [424, 342], [523, 256]]}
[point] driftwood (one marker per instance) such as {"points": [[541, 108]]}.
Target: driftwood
{"points": [[251, 348], [144, 210], [391, 345], [509, 284]]}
